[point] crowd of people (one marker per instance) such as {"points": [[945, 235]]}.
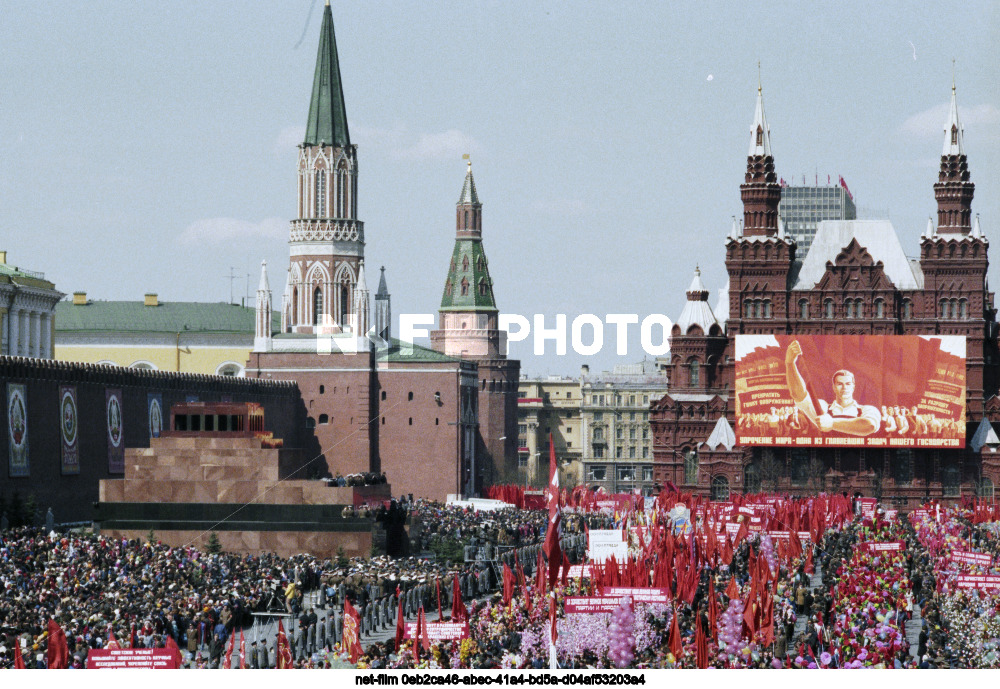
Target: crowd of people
{"points": [[847, 601]]}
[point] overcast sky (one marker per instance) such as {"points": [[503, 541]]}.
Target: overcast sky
{"points": [[150, 146]]}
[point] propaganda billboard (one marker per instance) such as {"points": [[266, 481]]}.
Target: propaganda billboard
{"points": [[850, 391]]}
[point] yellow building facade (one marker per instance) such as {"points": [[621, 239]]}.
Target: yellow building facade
{"points": [[186, 337]]}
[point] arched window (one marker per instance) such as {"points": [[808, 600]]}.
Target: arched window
{"points": [[758, 311], [828, 308], [944, 308], [343, 190], [951, 481], [907, 308], [295, 305], [690, 467], [848, 308], [695, 371], [481, 263], [751, 478], [448, 287], [963, 309], [804, 309], [720, 489], [985, 488], [465, 287], [483, 288], [954, 135], [465, 263], [231, 369], [345, 299], [859, 308], [767, 308], [760, 135], [748, 309], [879, 308], [323, 419], [954, 308], [317, 305], [320, 193]]}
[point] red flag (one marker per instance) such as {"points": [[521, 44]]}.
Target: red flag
{"points": [[458, 611], [422, 636], [58, 650], [552, 548], [401, 622], [742, 533], [352, 631], [172, 645], [700, 644], [732, 590], [565, 570], [228, 662], [508, 584], [540, 574], [112, 642], [676, 646], [713, 610], [282, 653], [243, 650], [18, 658]]}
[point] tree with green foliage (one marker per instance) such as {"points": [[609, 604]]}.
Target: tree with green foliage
{"points": [[214, 547], [342, 561]]}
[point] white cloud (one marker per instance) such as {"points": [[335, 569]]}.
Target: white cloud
{"points": [[219, 230], [288, 139], [930, 122], [398, 141], [449, 144]]}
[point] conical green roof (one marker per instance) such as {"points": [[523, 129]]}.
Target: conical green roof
{"points": [[327, 112], [468, 267]]}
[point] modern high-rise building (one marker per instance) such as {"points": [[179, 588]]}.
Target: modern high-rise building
{"points": [[803, 208]]}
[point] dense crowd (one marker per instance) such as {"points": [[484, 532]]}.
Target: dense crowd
{"points": [[848, 601]]}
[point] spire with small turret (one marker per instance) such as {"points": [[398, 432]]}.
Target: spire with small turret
{"points": [[262, 329], [760, 191], [361, 303], [383, 311], [954, 189], [327, 241]]}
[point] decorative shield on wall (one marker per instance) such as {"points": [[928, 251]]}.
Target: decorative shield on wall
{"points": [[17, 427], [69, 429], [116, 432]]}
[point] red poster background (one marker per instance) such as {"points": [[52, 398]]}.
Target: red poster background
{"points": [[905, 372]]}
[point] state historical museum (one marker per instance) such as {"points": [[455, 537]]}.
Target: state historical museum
{"points": [[854, 280]]}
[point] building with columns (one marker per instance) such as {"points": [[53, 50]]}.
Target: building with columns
{"points": [[855, 279], [27, 312]]}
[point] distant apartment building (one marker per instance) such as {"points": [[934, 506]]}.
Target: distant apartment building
{"points": [[548, 406], [803, 208], [614, 416]]}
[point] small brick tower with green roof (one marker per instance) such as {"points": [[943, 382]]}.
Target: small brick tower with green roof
{"points": [[468, 328]]}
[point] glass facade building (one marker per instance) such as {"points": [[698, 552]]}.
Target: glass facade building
{"points": [[802, 208]]}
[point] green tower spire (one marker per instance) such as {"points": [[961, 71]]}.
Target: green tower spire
{"points": [[468, 286], [327, 113]]}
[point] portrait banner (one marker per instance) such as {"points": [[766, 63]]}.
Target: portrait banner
{"points": [[69, 430], [17, 429], [905, 391], [116, 431], [155, 414]]}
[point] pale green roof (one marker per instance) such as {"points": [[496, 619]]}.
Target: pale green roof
{"points": [[327, 113], [168, 317]]}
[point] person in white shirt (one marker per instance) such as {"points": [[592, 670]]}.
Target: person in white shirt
{"points": [[844, 414]]}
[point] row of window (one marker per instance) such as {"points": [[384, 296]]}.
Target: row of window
{"points": [[620, 433], [633, 453], [626, 473], [484, 288], [857, 308], [618, 399]]}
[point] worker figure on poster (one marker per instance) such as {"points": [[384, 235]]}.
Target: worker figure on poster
{"points": [[844, 414]]}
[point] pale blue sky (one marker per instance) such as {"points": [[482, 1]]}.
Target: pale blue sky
{"points": [[607, 161]]}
